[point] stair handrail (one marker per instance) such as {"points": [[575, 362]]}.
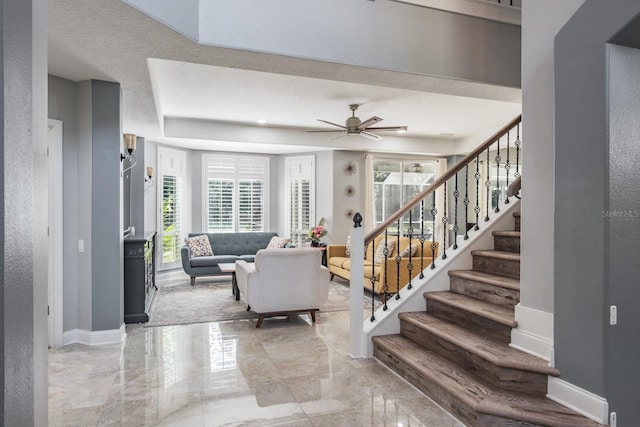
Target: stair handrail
{"points": [[441, 180]]}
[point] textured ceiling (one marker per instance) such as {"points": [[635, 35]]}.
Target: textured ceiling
{"points": [[164, 74]]}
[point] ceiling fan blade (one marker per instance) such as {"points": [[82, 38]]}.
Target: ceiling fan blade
{"points": [[389, 128], [339, 136], [370, 135], [333, 124], [332, 130], [370, 121]]}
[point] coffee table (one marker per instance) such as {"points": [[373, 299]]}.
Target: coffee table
{"points": [[230, 267]]}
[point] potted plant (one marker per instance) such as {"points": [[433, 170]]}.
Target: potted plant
{"points": [[317, 232]]}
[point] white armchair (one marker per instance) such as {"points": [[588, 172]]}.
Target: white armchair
{"points": [[284, 281]]}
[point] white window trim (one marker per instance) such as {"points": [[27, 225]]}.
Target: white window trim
{"points": [[236, 158], [181, 156]]}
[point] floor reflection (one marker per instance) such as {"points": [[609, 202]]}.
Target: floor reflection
{"points": [[289, 373]]}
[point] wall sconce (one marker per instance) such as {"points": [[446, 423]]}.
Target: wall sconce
{"points": [[130, 146], [148, 180]]}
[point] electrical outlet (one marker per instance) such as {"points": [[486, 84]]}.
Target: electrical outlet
{"points": [[613, 315], [80, 245], [613, 419]]}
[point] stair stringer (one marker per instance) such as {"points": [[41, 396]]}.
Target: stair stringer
{"points": [[437, 279]]}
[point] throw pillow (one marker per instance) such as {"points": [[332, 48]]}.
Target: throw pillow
{"points": [[277, 242], [199, 245], [379, 255], [409, 250], [348, 246]]}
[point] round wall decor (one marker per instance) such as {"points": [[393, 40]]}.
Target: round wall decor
{"points": [[350, 190], [351, 168]]}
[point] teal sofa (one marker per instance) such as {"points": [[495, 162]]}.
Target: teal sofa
{"points": [[227, 248]]}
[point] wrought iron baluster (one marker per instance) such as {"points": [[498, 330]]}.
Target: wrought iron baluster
{"points": [[409, 265], [372, 279], [498, 159], [466, 202], [507, 167], [422, 239], [385, 253], [434, 211], [456, 193], [476, 209], [517, 144], [487, 184], [398, 262], [445, 221]]}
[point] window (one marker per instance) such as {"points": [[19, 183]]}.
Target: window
{"points": [[236, 190], [171, 175], [395, 183], [300, 197]]}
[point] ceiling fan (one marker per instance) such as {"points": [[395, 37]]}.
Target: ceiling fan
{"points": [[354, 127]]}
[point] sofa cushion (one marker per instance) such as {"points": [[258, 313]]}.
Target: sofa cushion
{"points": [[379, 255], [208, 261], [277, 242], [338, 261], [199, 246], [409, 250]]}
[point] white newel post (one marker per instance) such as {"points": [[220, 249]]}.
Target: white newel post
{"points": [[356, 290]]}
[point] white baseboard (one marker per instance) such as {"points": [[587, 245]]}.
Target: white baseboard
{"points": [[81, 336], [534, 334], [582, 401]]}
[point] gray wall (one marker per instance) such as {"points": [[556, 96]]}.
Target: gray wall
{"points": [[596, 155], [62, 106], [106, 229], [92, 142], [358, 32], [133, 185], [23, 233], [622, 349]]}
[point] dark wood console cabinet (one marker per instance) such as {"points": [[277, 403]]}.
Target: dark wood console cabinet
{"points": [[139, 276]]}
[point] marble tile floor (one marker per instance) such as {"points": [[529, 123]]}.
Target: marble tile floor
{"points": [[287, 373]]}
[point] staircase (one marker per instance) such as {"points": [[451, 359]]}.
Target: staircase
{"points": [[457, 351]]}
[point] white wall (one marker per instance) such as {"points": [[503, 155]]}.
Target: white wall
{"points": [[539, 28]]}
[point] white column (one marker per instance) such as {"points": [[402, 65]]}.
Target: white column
{"points": [[356, 288]]}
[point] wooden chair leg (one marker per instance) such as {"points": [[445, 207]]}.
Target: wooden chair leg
{"points": [[193, 280], [260, 319], [313, 316], [331, 278]]}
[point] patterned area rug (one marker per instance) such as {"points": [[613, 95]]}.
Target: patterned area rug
{"points": [[212, 301]]}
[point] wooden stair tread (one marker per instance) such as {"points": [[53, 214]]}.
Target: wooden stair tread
{"points": [[506, 233], [498, 313], [463, 385], [535, 410], [488, 278], [509, 256], [500, 355]]}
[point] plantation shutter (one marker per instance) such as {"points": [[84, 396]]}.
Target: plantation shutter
{"points": [[171, 173], [236, 193], [220, 185], [300, 172], [251, 194]]}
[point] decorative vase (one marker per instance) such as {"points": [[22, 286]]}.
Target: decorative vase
{"points": [[315, 244]]}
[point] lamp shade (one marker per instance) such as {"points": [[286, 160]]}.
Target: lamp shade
{"points": [[130, 142]]}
